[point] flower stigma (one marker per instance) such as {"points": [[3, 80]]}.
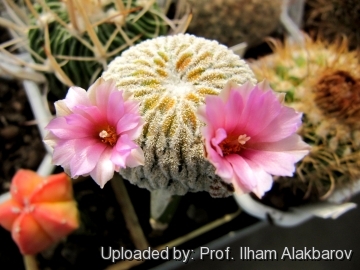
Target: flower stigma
{"points": [[109, 136], [233, 145]]}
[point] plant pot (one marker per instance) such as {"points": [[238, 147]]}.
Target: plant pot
{"points": [[333, 207]]}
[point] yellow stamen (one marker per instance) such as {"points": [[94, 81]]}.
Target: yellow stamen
{"points": [[108, 136], [233, 145], [243, 139]]}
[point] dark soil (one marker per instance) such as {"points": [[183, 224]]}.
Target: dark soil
{"points": [[21, 145]]}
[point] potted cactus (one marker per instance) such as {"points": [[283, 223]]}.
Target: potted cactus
{"points": [[154, 118], [321, 80]]}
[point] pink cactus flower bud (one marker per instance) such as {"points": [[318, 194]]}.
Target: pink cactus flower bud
{"points": [[40, 212]]}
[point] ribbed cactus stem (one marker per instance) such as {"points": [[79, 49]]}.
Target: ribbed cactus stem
{"points": [[77, 40], [171, 77]]}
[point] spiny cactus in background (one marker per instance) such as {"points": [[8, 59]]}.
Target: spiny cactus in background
{"points": [[72, 41], [334, 18], [233, 21], [323, 82], [171, 77], [105, 27]]}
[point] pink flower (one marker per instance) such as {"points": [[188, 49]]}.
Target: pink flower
{"points": [[94, 130], [249, 136]]}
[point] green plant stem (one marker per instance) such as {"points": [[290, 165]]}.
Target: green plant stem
{"points": [[163, 207], [30, 262], [132, 222]]}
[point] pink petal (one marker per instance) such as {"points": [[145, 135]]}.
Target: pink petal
{"points": [[201, 113], [245, 90], [249, 176], [103, 92], [264, 180], [135, 158], [93, 90], [115, 107], [278, 158], [220, 135], [50, 139], [119, 158], [61, 129], [87, 153], [104, 170], [225, 92], [223, 167], [127, 122], [80, 122], [261, 108], [214, 105], [233, 111], [131, 106], [285, 124], [61, 108], [136, 132], [244, 176], [92, 113], [76, 96], [64, 152], [122, 150]]}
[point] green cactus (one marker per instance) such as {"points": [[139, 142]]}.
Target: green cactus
{"points": [[323, 82], [77, 38], [171, 76]]}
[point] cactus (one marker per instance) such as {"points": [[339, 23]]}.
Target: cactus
{"points": [[40, 212], [233, 21], [72, 41], [94, 48], [171, 76], [322, 81], [335, 18]]}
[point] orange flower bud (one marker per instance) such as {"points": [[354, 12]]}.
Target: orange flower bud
{"points": [[40, 212]]}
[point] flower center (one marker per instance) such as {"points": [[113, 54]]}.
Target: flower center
{"points": [[233, 145], [108, 136]]}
